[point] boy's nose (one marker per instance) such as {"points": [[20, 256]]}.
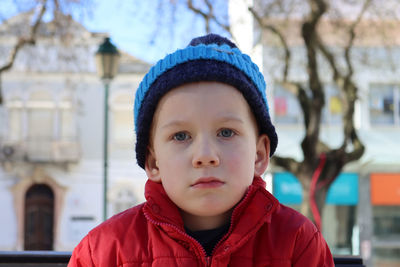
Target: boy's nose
{"points": [[205, 155]]}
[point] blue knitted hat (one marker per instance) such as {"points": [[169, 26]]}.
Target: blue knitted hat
{"points": [[206, 58]]}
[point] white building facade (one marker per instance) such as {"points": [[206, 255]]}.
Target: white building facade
{"points": [[51, 138]]}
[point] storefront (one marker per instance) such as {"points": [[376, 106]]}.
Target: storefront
{"points": [[339, 224], [385, 200]]}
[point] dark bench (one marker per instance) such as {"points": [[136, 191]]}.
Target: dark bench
{"points": [[348, 261], [60, 259], [34, 258]]}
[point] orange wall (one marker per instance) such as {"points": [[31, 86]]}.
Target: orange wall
{"points": [[385, 188]]}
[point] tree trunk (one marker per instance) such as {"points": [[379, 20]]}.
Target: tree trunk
{"points": [[316, 177]]}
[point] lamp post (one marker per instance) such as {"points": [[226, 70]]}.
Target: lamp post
{"points": [[107, 58]]}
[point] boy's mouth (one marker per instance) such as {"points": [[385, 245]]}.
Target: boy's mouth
{"points": [[207, 182]]}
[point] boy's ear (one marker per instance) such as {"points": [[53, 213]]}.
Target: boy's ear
{"points": [[151, 166], [262, 155]]}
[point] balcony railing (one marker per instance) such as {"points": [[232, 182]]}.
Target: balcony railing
{"points": [[60, 259], [41, 151]]}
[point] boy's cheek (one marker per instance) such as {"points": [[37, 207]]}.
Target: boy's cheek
{"points": [[236, 163]]}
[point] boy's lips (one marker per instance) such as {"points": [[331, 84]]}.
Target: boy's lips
{"points": [[207, 182]]}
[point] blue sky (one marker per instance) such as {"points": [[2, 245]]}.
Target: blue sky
{"points": [[134, 26], [132, 30]]}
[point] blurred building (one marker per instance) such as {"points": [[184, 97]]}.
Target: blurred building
{"points": [[362, 215], [51, 136]]}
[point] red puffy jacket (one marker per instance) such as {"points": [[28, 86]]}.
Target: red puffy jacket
{"points": [[263, 232]]}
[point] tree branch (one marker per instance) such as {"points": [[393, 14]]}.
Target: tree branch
{"points": [[358, 148], [206, 16], [209, 16], [22, 41], [310, 37], [350, 89], [288, 164], [352, 37], [337, 75], [304, 104], [280, 36], [345, 83]]}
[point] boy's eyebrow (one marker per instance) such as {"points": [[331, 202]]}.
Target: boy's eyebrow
{"points": [[228, 118], [173, 123]]}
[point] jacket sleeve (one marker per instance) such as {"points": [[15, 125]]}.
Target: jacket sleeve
{"points": [[82, 255], [314, 253]]}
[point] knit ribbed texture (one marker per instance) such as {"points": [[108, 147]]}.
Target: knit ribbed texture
{"points": [[215, 52]]}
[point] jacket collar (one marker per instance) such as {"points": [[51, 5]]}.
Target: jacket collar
{"points": [[252, 211], [159, 207]]}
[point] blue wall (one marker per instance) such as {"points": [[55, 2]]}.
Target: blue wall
{"points": [[344, 191]]}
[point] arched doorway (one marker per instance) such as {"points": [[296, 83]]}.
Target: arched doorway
{"points": [[39, 218]]}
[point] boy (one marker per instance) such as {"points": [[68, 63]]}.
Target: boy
{"points": [[204, 138]]}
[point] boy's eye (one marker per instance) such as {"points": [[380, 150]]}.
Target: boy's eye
{"points": [[226, 133], [181, 136]]}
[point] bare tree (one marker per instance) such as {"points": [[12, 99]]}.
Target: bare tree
{"points": [[321, 164], [37, 9]]}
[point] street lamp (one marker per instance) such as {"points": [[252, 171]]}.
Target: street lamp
{"points": [[107, 58]]}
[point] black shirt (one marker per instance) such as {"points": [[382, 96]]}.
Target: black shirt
{"points": [[209, 238]]}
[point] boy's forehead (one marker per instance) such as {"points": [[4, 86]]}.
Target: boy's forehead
{"points": [[204, 97]]}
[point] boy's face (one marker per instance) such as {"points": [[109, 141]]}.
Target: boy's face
{"points": [[205, 150]]}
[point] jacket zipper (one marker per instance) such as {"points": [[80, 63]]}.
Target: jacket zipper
{"points": [[232, 222], [207, 259]]}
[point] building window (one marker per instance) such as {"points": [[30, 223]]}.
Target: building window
{"points": [[384, 104], [15, 110], [41, 127], [287, 108], [386, 221], [333, 109], [67, 120], [45, 119], [41, 109], [122, 120]]}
